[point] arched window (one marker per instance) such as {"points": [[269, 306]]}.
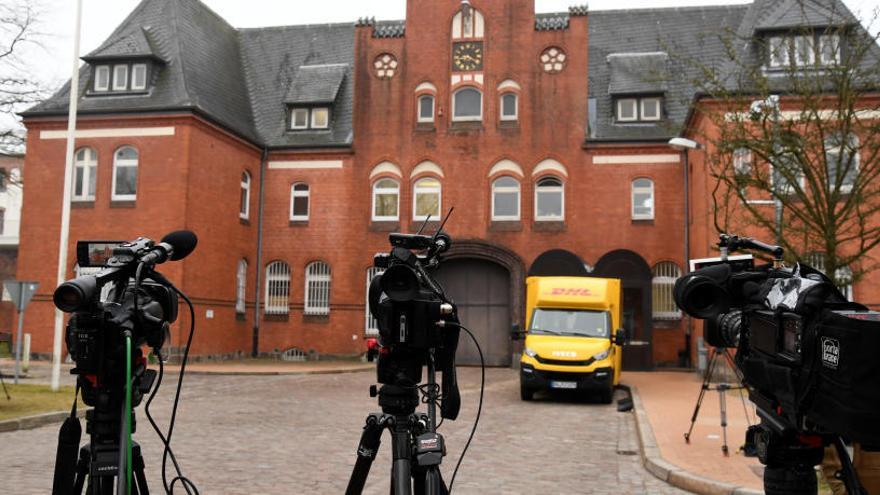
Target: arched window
{"points": [[317, 289], [386, 200], [426, 109], [426, 199], [549, 200], [277, 288], [125, 168], [299, 202], [505, 199], [371, 328], [85, 174], [643, 199], [509, 107], [665, 275], [842, 161], [245, 206], [240, 286], [468, 24], [467, 104]]}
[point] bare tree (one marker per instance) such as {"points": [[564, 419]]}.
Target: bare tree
{"points": [[793, 142], [18, 89]]}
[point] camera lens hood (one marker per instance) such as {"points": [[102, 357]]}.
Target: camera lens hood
{"points": [[400, 283], [703, 294]]}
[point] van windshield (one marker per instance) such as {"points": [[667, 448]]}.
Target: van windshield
{"points": [[571, 322]]}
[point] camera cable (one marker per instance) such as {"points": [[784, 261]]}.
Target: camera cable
{"points": [[479, 405], [188, 485]]}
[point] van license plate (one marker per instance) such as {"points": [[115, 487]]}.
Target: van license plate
{"points": [[566, 385]]}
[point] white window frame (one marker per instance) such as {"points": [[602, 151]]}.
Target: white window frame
{"points": [[421, 190], [838, 149], [810, 50], [117, 86], [316, 111], [548, 190], [293, 113], [420, 118], [241, 287], [834, 40], [642, 106], [642, 190], [117, 163], [277, 272], [664, 275], [779, 48], [317, 289], [506, 117], [371, 326], [383, 191], [300, 194], [635, 113], [134, 76], [475, 118], [244, 210], [742, 161], [90, 166], [496, 189], [105, 69]]}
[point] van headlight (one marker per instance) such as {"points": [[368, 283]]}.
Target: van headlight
{"points": [[602, 355], [530, 353]]}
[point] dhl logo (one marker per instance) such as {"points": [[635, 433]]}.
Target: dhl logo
{"points": [[561, 291]]}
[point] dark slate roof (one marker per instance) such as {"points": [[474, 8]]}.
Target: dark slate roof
{"points": [[638, 73], [203, 73], [316, 84], [552, 22], [136, 43], [691, 31], [787, 14], [389, 29], [273, 59]]}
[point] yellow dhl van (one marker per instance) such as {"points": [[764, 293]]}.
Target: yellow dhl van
{"points": [[571, 341]]}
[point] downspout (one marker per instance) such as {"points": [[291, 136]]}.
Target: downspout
{"points": [[687, 252], [255, 351]]}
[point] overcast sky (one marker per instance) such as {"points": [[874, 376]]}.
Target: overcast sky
{"points": [[100, 17]]}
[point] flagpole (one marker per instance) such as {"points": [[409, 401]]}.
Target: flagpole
{"points": [[65, 202]]}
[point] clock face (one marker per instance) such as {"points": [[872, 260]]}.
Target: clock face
{"points": [[467, 56]]}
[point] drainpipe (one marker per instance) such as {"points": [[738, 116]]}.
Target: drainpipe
{"points": [[255, 351]]}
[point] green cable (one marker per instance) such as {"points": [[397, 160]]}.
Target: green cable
{"points": [[128, 446]]}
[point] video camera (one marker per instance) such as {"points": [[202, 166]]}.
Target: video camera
{"points": [[806, 354], [412, 313]]}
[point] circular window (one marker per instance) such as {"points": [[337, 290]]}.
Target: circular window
{"points": [[385, 65], [553, 60]]}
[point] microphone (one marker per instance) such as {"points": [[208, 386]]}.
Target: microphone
{"points": [[174, 247]]}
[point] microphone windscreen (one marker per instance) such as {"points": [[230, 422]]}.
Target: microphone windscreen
{"points": [[183, 242]]}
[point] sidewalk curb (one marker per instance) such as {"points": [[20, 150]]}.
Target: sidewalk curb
{"points": [[273, 373], [654, 462], [37, 421]]}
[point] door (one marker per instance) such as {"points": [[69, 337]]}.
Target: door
{"points": [[481, 290], [637, 351]]}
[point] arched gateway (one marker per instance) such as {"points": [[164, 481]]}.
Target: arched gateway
{"points": [[486, 282], [635, 275]]}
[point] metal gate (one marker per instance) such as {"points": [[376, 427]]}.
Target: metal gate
{"points": [[481, 290]]}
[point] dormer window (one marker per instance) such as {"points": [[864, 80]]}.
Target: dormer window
{"points": [[803, 50], [302, 119], [121, 78], [139, 77], [639, 109], [102, 78]]}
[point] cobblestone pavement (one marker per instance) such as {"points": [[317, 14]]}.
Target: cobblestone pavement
{"points": [[298, 434]]}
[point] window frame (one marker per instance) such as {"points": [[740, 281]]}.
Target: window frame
{"points": [[422, 190], [419, 117], [810, 51], [277, 276], [507, 117], [116, 84], [470, 118], [114, 196], [645, 118], [146, 72], [779, 51], [89, 168], [371, 326], [376, 191], [300, 194], [634, 189], [547, 190], [316, 111], [663, 278], [293, 125], [835, 144], [316, 298], [241, 287], [834, 39], [244, 209], [635, 113], [496, 189], [108, 73]]}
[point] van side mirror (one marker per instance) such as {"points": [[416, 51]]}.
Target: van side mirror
{"points": [[620, 337], [516, 333]]}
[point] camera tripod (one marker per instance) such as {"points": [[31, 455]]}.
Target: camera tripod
{"points": [[98, 460], [4, 387], [722, 389], [416, 447]]}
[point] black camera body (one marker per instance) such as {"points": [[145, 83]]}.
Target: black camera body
{"points": [[417, 322]]}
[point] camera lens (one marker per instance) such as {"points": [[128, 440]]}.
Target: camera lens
{"points": [[724, 330], [74, 295], [400, 283], [702, 294]]}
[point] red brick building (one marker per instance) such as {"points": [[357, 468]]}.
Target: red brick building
{"points": [[293, 151]]}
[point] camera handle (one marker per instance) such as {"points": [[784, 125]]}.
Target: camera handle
{"points": [[731, 243]]}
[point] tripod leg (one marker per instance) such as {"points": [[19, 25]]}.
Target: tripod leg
{"points": [[707, 378], [401, 481], [434, 484], [140, 479], [371, 439], [82, 470], [4, 387], [722, 404]]}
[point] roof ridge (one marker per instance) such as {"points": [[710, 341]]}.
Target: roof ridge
{"points": [[290, 26], [645, 10]]}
